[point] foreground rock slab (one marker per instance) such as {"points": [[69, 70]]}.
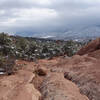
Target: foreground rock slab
{"points": [[19, 86]]}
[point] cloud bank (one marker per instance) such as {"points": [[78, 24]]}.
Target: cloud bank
{"points": [[41, 16]]}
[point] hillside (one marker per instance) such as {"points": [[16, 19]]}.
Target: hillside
{"points": [[32, 49], [59, 78]]}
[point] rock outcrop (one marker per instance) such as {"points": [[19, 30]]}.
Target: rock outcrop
{"points": [[90, 48]]}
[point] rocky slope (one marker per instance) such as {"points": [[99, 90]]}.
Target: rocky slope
{"points": [[90, 48], [61, 78], [80, 71]]}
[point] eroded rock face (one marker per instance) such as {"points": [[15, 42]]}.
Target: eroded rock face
{"points": [[82, 71], [56, 87]]}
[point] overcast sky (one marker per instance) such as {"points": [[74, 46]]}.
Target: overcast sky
{"points": [[38, 16]]}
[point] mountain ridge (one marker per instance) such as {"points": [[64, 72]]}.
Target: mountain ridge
{"points": [[77, 33]]}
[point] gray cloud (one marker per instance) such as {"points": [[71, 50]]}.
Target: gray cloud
{"points": [[39, 16]]}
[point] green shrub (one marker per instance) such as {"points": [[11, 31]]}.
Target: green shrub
{"points": [[2, 61]]}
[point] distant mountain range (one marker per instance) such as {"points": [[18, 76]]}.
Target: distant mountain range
{"points": [[86, 32]]}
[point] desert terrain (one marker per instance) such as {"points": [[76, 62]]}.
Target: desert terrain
{"points": [[59, 78]]}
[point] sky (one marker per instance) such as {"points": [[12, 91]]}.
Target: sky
{"points": [[41, 16]]}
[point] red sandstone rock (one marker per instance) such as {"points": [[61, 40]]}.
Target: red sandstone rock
{"points": [[91, 47]]}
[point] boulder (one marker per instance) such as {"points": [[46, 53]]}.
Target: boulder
{"points": [[41, 71]]}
